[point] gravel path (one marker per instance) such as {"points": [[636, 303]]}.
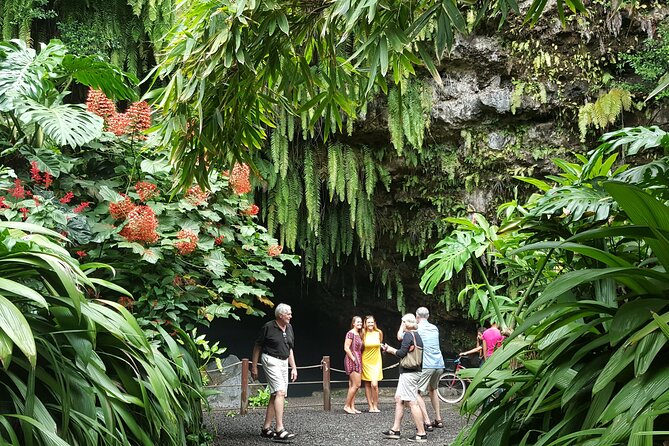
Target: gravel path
{"points": [[316, 427]]}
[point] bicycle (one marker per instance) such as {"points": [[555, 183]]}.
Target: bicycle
{"points": [[451, 388]]}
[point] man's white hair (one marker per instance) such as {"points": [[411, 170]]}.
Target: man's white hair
{"points": [[422, 313], [281, 309]]}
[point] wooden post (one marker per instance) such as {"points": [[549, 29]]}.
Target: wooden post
{"points": [[326, 383], [244, 400]]}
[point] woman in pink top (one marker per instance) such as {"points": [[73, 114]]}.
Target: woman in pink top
{"points": [[492, 339]]}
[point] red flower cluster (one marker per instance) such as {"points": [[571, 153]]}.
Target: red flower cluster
{"points": [[3, 205], [18, 191], [118, 124], [25, 213], [36, 175], [67, 198], [121, 209], [251, 210], [81, 254], [139, 117], [196, 196], [81, 207], [274, 250], [97, 102], [219, 240], [142, 225], [188, 242], [134, 121], [239, 179], [146, 190]]}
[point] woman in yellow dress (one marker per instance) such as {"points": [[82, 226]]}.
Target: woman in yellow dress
{"points": [[372, 367]]}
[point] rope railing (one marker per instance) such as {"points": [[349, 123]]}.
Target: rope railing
{"points": [[324, 365]]}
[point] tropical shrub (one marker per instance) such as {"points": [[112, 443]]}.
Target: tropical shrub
{"points": [[588, 353], [78, 369]]}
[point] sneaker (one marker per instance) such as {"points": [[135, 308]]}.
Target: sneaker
{"points": [[391, 434], [419, 438], [428, 427]]}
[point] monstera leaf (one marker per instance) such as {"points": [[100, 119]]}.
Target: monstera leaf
{"points": [[573, 203], [100, 75], [23, 71], [65, 124]]}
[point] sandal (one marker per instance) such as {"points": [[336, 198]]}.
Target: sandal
{"points": [[267, 432], [419, 438], [391, 434], [283, 436], [438, 423], [428, 427]]}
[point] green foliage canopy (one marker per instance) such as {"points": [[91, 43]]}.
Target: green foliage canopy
{"points": [[233, 67]]}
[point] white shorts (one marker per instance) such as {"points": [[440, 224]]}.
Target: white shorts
{"points": [[276, 371], [429, 379], [407, 386]]}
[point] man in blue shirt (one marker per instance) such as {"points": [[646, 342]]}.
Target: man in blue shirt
{"points": [[433, 367]]}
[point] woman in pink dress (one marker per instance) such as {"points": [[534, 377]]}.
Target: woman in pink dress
{"points": [[353, 362]]}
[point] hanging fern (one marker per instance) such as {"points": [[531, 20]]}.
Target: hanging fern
{"points": [[312, 190], [352, 181], [333, 168], [370, 171], [401, 306], [416, 105], [604, 111], [395, 120]]}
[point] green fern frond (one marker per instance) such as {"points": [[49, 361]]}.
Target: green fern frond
{"points": [[414, 115], [401, 307], [517, 96], [312, 190], [333, 168], [341, 173], [290, 128], [352, 180], [370, 171], [395, 120], [333, 228], [585, 119]]}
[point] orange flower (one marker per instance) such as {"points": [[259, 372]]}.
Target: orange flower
{"points": [[187, 243], [196, 196], [121, 209], [142, 225], [239, 179], [251, 210], [146, 190], [274, 250]]}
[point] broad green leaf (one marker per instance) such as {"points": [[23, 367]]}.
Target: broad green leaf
{"points": [[631, 316], [160, 165], [49, 436], [15, 326], [22, 291], [617, 363], [99, 75], [65, 124], [646, 352], [6, 349]]}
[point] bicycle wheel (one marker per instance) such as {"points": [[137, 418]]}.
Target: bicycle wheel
{"points": [[451, 388]]}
